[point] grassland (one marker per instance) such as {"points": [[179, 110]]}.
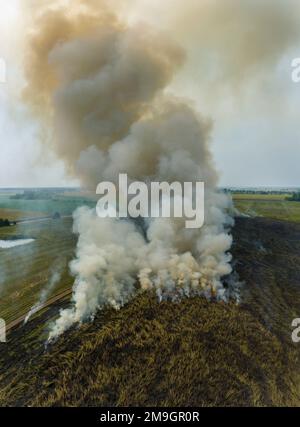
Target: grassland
{"points": [[273, 206]]}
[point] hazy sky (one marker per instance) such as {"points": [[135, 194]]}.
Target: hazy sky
{"points": [[255, 111], [22, 162]]}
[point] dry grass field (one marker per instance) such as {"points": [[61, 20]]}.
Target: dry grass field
{"points": [[191, 353]]}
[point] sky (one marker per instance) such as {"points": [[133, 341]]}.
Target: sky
{"points": [[243, 86]]}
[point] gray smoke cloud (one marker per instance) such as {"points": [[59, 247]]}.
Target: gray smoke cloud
{"points": [[101, 85]]}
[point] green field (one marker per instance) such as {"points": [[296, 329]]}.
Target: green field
{"points": [[63, 205], [273, 206], [25, 270]]}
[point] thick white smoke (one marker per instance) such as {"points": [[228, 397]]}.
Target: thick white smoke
{"points": [[103, 85], [113, 257]]}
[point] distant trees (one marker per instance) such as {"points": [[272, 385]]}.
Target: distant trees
{"points": [[33, 195], [295, 197], [4, 222], [56, 215], [253, 191]]}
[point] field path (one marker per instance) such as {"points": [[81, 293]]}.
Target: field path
{"points": [[38, 219]]}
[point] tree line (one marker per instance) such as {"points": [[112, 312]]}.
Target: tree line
{"points": [[295, 197]]}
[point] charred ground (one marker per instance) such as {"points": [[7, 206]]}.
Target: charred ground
{"points": [[190, 353]]}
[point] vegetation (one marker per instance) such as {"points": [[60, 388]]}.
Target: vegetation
{"points": [[256, 192], [14, 214], [194, 353], [4, 222], [259, 196], [269, 206], [25, 270], [191, 353], [64, 205], [33, 195], [56, 215], [295, 197]]}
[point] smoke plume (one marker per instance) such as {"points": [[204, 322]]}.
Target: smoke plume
{"points": [[46, 292], [243, 37], [101, 86]]}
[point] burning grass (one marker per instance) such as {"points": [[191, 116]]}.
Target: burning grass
{"points": [[190, 353]]}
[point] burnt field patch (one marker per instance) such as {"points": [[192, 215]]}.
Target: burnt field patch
{"points": [[266, 255]]}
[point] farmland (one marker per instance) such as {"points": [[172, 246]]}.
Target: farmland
{"points": [[25, 270], [15, 214], [65, 205], [174, 354], [273, 206], [149, 353]]}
